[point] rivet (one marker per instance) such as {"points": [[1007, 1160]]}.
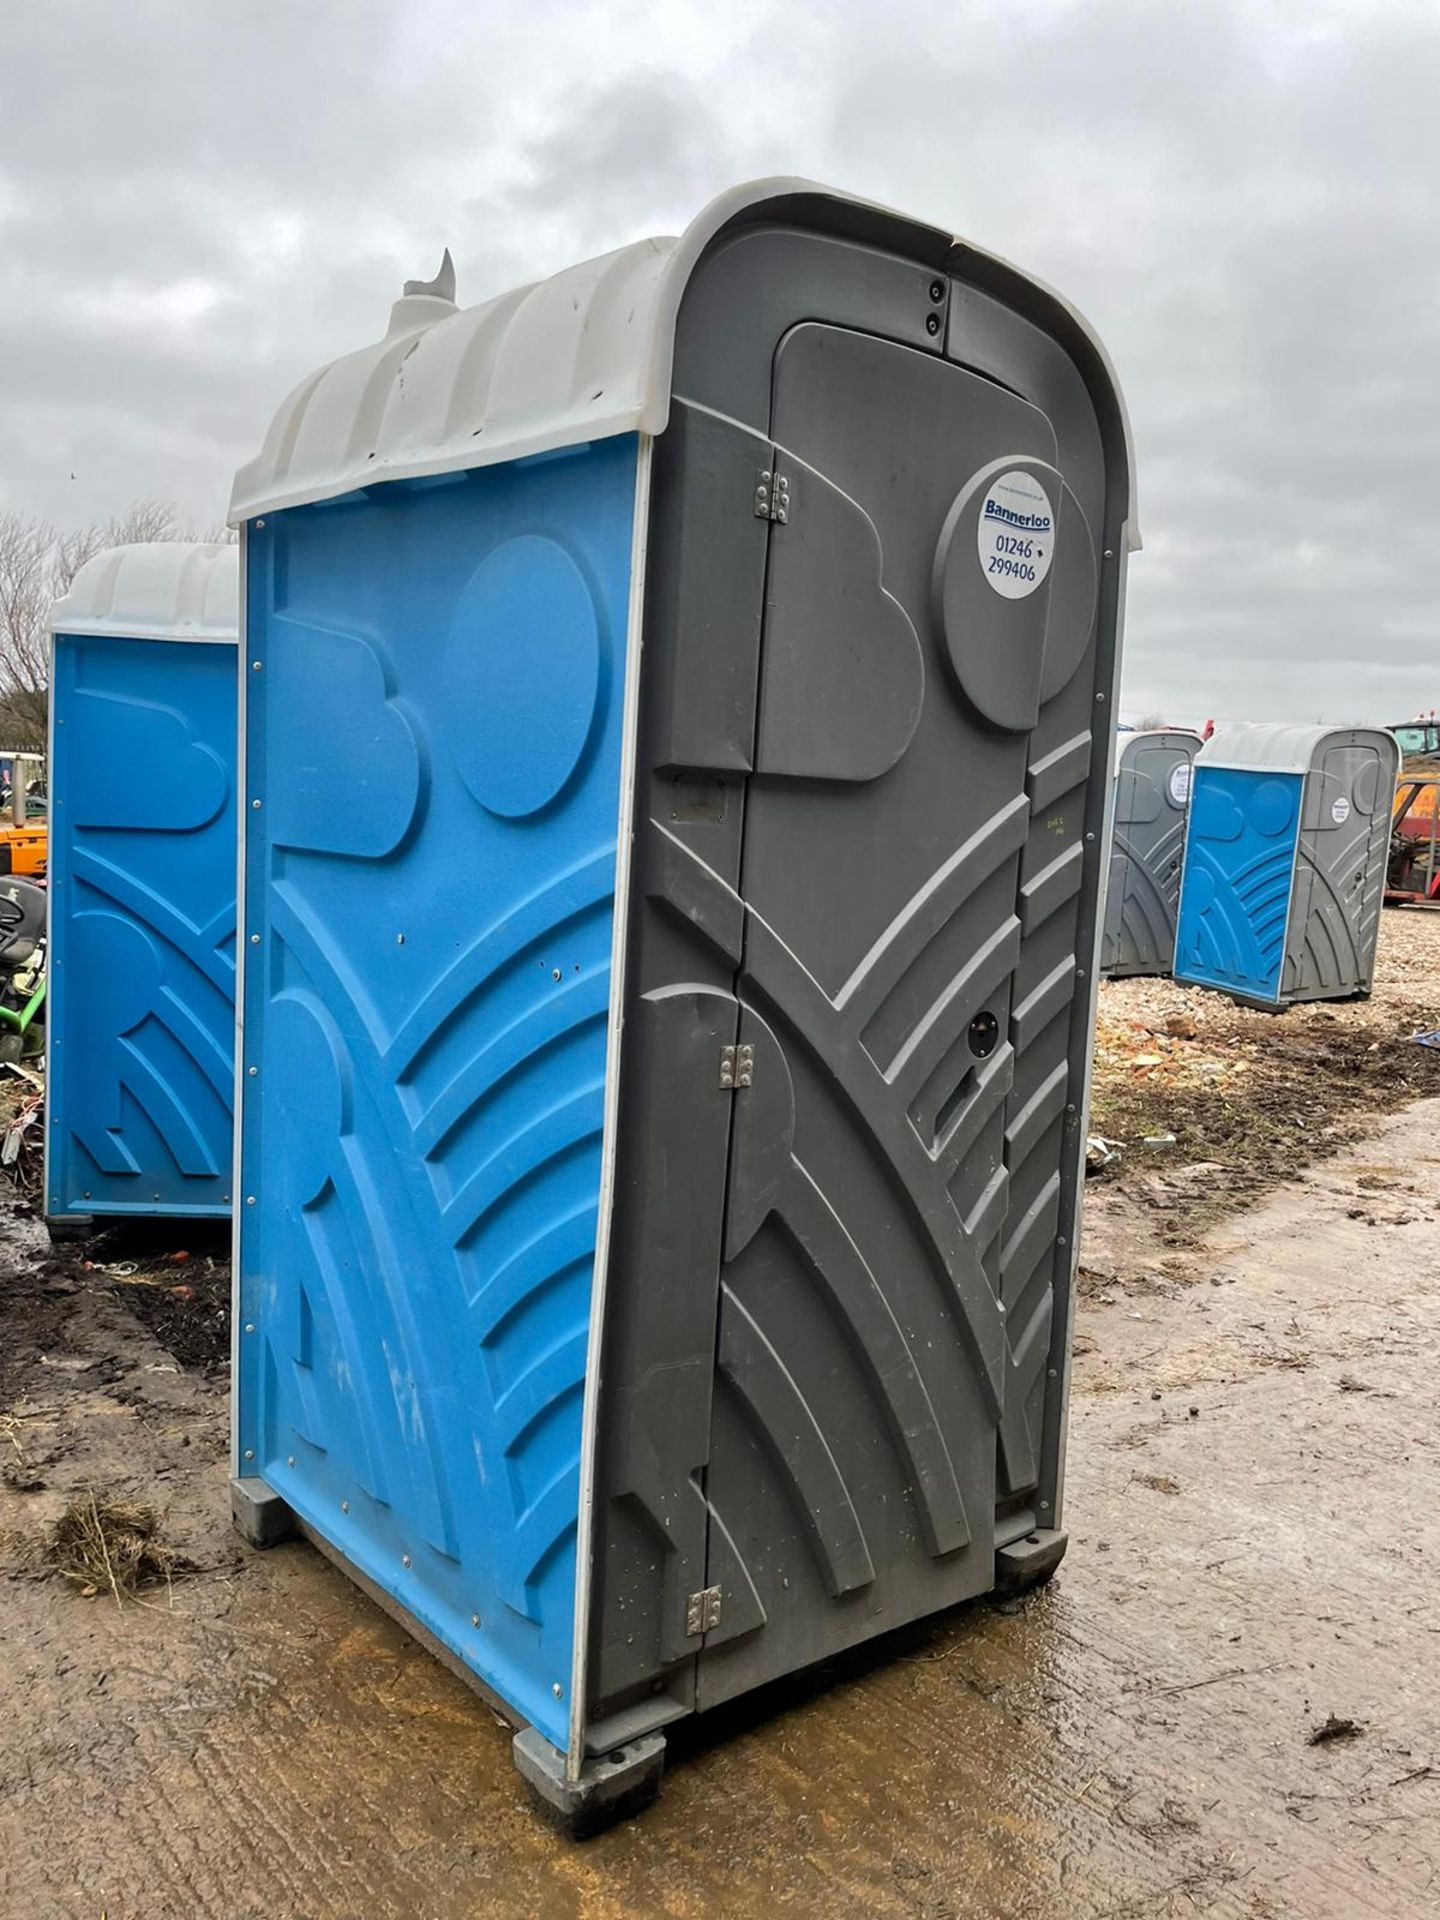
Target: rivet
{"points": [[404, 1559], [249, 1326], [1100, 699], [1079, 973], [249, 1199], [255, 666], [1071, 1107], [932, 323], [249, 1453], [254, 803], [253, 1071], [555, 973], [86, 1194], [474, 1619], [259, 524], [254, 939], [344, 1506], [1109, 553], [937, 291], [1089, 836], [289, 1459], [1060, 1241], [1044, 1506], [399, 939], [557, 1690], [1054, 1373]]}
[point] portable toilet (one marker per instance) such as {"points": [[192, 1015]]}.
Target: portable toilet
{"points": [[1285, 862], [141, 1008], [664, 1071], [1147, 850]]}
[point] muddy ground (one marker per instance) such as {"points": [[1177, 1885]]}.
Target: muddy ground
{"points": [[1207, 1105], [1253, 1454]]}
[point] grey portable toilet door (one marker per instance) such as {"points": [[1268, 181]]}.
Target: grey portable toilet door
{"points": [[1152, 797], [861, 1360], [1339, 873]]}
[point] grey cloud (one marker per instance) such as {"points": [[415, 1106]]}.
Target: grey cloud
{"points": [[197, 207]]}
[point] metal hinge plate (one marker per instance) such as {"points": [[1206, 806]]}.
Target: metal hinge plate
{"points": [[737, 1068], [702, 1611], [772, 496]]}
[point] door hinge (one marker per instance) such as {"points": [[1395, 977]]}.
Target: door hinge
{"points": [[772, 496], [737, 1068], [702, 1611]]}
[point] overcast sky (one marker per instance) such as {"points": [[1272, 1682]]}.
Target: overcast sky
{"points": [[202, 202]]}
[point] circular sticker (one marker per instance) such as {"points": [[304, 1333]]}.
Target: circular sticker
{"points": [[1180, 783], [1015, 535], [1340, 811]]}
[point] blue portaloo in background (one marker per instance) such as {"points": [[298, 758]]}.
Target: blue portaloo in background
{"points": [[1285, 861], [429, 916], [1239, 868], [142, 868]]}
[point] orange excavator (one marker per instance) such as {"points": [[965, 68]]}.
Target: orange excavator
{"points": [[24, 830], [1412, 876]]}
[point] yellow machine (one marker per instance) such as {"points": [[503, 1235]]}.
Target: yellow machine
{"points": [[25, 834], [1412, 877]]}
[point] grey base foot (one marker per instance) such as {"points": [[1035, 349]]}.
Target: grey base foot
{"points": [[67, 1227], [609, 1789], [1029, 1561], [260, 1515]]}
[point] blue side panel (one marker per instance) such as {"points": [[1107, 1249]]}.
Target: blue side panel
{"points": [[434, 690], [1239, 864], [142, 956]]}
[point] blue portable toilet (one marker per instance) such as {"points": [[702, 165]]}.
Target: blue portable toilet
{"points": [[141, 1008], [1285, 854], [677, 737]]}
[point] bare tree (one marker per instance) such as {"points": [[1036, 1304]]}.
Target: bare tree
{"points": [[27, 550], [38, 561]]}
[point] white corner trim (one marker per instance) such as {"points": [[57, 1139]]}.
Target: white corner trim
{"points": [[242, 819], [624, 847]]}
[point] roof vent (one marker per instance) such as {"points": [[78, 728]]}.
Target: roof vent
{"points": [[425, 301]]}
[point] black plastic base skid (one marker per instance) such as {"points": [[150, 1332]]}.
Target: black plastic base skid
{"points": [[1029, 1561], [261, 1517], [64, 1228], [610, 1788]]}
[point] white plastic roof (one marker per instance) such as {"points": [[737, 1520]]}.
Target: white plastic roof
{"points": [[1127, 740], [579, 357], [1265, 746], [160, 590]]}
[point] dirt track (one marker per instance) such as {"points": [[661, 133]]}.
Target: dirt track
{"points": [[1134, 1741]]}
